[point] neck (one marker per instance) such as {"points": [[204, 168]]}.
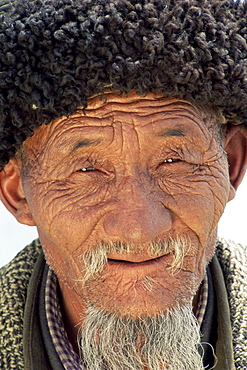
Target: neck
{"points": [[73, 312]]}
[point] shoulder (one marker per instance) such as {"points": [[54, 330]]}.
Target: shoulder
{"points": [[233, 260], [20, 268], [26, 255], [14, 279]]}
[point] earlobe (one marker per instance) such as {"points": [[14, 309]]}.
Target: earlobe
{"points": [[12, 194], [236, 148]]}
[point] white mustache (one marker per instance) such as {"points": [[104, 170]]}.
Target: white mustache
{"points": [[96, 258]]}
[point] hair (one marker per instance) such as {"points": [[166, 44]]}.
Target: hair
{"points": [[168, 340], [95, 259], [55, 54]]}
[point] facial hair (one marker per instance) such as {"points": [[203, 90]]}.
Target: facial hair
{"points": [[94, 259], [169, 340]]}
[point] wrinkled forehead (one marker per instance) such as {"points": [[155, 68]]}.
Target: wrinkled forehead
{"points": [[143, 104], [151, 112]]}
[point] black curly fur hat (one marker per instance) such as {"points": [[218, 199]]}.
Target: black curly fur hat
{"points": [[55, 54]]}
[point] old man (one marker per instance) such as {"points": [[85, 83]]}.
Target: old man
{"points": [[122, 138]]}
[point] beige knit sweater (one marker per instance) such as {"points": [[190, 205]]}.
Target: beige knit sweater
{"points": [[15, 276]]}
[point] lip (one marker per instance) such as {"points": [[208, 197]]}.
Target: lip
{"points": [[132, 257], [136, 263]]}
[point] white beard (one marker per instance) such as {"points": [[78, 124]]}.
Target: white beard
{"points": [[167, 341]]}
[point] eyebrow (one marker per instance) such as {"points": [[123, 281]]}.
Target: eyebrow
{"points": [[86, 142], [172, 132]]}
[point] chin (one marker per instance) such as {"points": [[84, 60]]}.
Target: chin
{"points": [[147, 296]]}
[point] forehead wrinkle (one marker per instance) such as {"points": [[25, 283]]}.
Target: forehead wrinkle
{"points": [[176, 122], [125, 137], [201, 126], [79, 136], [169, 110], [133, 105], [138, 108]]}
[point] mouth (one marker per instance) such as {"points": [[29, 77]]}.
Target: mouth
{"points": [[132, 262]]}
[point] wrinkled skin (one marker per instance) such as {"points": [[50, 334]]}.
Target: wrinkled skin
{"points": [[126, 192]]}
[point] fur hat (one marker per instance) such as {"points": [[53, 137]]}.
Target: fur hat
{"points": [[55, 54]]}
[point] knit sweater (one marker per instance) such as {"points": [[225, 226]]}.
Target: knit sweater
{"points": [[15, 277]]}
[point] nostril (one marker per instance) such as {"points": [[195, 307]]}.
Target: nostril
{"points": [[138, 226]]}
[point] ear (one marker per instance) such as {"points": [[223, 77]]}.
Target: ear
{"points": [[236, 148], [12, 194]]}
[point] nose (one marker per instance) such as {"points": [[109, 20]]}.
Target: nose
{"points": [[138, 217]]}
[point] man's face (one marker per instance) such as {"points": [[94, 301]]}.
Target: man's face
{"points": [[132, 170]]}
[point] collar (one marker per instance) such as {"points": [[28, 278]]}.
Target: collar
{"points": [[39, 351], [58, 335]]}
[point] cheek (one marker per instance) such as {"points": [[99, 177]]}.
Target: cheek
{"points": [[65, 216], [66, 213], [74, 227], [198, 199], [60, 259]]}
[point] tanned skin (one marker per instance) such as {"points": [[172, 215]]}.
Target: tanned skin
{"points": [[133, 169]]}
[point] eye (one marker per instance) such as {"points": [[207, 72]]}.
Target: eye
{"points": [[87, 169], [170, 160]]}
